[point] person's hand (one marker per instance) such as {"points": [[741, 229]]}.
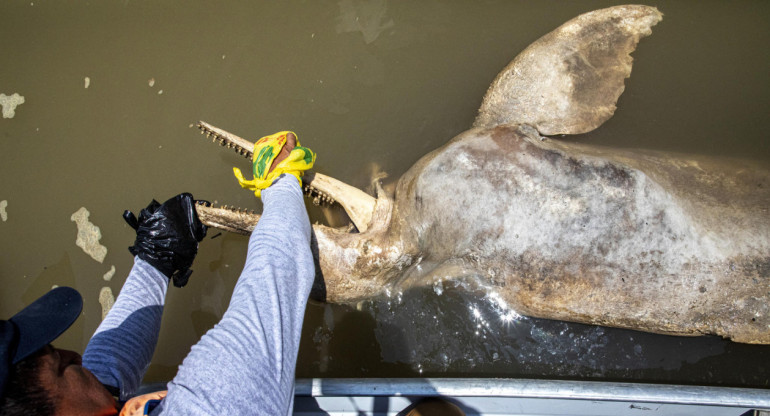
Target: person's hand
{"points": [[167, 236], [273, 156], [291, 142]]}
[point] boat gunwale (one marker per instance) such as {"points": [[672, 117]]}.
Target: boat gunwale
{"points": [[540, 389]]}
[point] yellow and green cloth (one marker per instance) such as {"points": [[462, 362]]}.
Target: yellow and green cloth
{"points": [[265, 151]]}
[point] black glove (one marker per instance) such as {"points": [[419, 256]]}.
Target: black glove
{"points": [[167, 236]]}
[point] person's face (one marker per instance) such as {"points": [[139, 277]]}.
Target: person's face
{"points": [[74, 389]]}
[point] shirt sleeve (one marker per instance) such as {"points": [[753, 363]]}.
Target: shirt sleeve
{"points": [[246, 363], [120, 350]]}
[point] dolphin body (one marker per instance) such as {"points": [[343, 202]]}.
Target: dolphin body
{"points": [[643, 240]]}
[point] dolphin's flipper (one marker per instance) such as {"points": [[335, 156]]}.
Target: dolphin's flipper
{"points": [[568, 81]]}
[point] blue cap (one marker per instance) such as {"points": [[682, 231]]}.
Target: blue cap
{"points": [[36, 326]]}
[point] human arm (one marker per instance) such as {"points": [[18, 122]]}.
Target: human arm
{"points": [[120, 350], [167, 237], [246, 363]]}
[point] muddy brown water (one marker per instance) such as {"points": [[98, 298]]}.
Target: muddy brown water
{"points": [[371, 86]]}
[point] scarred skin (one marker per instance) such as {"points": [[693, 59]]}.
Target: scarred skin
{"points": [[649, 241], [573, 232]]}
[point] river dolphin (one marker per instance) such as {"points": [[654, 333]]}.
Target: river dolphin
{"points": [[643, 240]]}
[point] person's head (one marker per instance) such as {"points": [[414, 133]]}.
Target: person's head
{"points": [[35, 377]]}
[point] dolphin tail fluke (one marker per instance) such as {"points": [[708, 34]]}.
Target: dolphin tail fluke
{"points": [[568, 81]]}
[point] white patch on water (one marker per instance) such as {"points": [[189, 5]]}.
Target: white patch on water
{"points": [[107, 300], [151, 82], [3, 212], [88, 235], [87, 82], [9, 103], [108, 276], [367, 17]]}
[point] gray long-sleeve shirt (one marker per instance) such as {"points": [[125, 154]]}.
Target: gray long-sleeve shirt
{"points": [[245, 364]]}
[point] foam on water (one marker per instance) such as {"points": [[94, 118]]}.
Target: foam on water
{"points": [[9, 104], [88, 235]]}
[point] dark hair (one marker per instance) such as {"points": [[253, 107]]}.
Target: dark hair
{"points": [[24, 395]]}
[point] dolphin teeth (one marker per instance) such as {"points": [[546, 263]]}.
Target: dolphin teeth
{"points": [[319, 197], [224, 140]]}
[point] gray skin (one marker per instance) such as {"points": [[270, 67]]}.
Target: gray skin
{"points": [[642, 240]]}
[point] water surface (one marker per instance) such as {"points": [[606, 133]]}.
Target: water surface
{"points": [[371, 86]]}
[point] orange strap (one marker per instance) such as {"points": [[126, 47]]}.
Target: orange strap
{"points": [[136, 405]]}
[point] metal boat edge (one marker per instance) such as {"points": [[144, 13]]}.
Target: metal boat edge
{"points": [[490, 396]]}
